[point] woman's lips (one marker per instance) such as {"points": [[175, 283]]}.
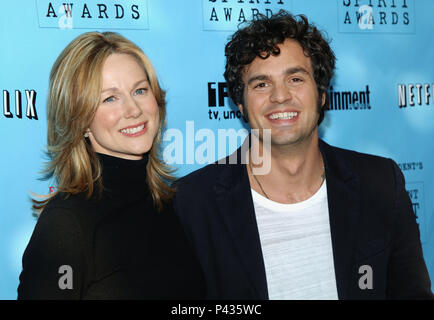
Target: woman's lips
{"points": [[134, 130]]}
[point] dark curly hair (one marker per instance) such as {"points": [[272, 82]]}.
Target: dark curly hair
{"points": [[260, 39]]}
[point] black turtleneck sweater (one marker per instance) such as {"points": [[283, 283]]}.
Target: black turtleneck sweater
{"points": [[117, 247]]}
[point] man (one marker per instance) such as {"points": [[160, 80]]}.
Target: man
{"points": [[323, 223]]}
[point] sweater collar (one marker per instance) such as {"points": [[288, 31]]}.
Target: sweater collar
{"points": [[121, 171]]}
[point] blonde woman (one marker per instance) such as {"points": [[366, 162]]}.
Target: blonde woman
{"points": [[108, 232]]}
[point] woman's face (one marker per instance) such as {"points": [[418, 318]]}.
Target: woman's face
{"points": [[127, 118]]}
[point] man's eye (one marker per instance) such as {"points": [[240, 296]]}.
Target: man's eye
{"points": [[109, 99], [296, 80], [261, 85]]}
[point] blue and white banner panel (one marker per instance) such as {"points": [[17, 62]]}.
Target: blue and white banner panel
{"points": [[382, 96]]}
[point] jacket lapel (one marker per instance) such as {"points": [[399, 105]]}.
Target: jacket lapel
{"points": [[235, 205], [343, 193]]}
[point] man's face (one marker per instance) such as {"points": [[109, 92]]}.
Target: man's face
{"points": [[280, 94]]}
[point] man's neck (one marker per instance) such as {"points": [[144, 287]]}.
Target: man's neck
{"points": [[296, 172]]}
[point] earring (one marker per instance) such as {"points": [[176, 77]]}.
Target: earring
{"points": [[86, 134]]}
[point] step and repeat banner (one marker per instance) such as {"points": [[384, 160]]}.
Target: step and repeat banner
{"points": [[382, 96]]}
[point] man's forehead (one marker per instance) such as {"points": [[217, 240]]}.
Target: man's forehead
{"points": [[294, 58]]}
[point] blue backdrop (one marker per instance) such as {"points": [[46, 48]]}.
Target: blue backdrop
{"points": [[382, 94]]}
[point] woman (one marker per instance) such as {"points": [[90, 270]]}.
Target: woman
{"points": [[107, 232]]}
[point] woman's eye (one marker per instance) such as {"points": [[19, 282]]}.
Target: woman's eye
{"points": [[109, 99], [141, 91]]}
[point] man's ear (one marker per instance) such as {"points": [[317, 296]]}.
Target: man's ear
{"points": [[323, 99], [245, 116], [240, 106]]}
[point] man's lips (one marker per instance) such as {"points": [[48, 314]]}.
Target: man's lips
{"points": [[286, 115]]}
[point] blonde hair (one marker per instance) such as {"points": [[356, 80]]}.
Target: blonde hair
{"points": [[74, 94]]}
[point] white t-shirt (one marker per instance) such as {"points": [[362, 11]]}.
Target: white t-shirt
{"points": [[297, 248]]}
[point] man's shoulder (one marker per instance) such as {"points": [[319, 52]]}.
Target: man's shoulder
{"points": [[358, 157], [203, 176], [225, 171], [367, 166]]}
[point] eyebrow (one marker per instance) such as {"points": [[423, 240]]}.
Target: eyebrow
{"points": [[116, 89], [287, 72]]}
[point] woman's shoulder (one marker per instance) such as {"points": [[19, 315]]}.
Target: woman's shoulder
{"points": [[67, 201], [60, 213], [56, 241], [71, 209]]}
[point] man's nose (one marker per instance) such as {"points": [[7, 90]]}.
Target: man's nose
{"points": [[280, 93]]}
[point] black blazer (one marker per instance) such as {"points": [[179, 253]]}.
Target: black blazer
{"points": [[371, 221]]}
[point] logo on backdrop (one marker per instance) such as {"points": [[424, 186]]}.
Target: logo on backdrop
{"points": [[22, 102], [91, 14], [226, 15], [388, 16], [415, 94], [220, 106], [349, 100], [411, 166], [414, 189], [416, 194]]}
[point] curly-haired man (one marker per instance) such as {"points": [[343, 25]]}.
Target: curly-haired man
{"points": [[323, 222]]}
